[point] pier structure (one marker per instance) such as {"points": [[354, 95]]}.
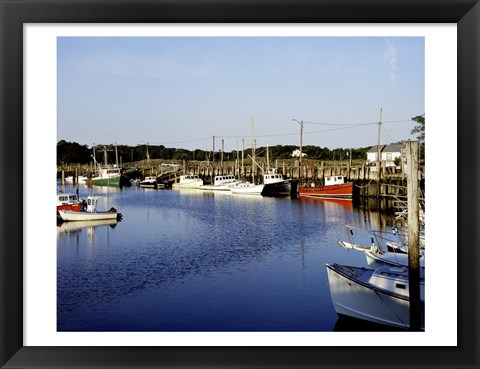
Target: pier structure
{"points": [[365, 178]]}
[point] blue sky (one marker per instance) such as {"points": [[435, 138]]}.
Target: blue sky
{"points": [[181, 91]]}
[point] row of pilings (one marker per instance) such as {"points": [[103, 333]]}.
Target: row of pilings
{"points": [[365, 178]]}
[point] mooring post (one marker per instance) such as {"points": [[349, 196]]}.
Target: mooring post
{"points": [[413, 235]]}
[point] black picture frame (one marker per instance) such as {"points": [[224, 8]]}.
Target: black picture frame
{"points": [[15, 13]]}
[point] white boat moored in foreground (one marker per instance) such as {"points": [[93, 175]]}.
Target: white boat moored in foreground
{"points": [[91, 212], [378, 295]]}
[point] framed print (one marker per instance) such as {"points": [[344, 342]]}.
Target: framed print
{"points": [[31, 335]]}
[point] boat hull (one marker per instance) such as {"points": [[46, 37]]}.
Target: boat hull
{"points": [[338, 191], [178, 186], [69, 216], [281, 188], [71, 207], [111, 181], [242, 189], [358, 299], [148, 185]]}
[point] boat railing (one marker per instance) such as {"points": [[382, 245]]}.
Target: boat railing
{"points": [[380, 239]]}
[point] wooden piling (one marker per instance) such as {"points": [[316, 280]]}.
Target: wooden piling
{"points": [[413, 235]]}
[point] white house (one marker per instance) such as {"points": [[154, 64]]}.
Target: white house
{"points": [[296, 154], [388, 154]]}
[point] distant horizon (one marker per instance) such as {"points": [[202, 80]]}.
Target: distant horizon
{"points": [[218, 147]]}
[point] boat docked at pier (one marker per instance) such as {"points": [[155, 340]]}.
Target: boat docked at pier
{"points": [[220, 183], [106, 175], [188, 181], [275, 184], [335, 187], [91, 212], [247, 188], [149, 182], [378, 295]]}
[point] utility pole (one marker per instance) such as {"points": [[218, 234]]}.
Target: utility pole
{"points": [[413, 236]]}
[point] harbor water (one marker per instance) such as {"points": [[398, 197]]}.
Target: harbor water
{"points": [[199, 261]]}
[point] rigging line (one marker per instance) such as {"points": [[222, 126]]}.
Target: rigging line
{"points": [[356, 124], [385, 133], [341, 124], [332, 129]]}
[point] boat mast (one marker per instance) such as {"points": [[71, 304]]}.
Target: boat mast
{"points": [[268, 161], [105, 155], [253, 152]]}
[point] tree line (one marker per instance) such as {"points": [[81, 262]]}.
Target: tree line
{"points": [[73, 152]]}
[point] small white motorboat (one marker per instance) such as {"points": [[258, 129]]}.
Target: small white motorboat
{"points": [[91, 212], [149, 182], [378, 295]]}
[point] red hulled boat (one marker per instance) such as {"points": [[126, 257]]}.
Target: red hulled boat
{"points": [[335, 187], [68, 201]]}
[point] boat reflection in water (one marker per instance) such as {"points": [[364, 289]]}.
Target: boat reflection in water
{"points": [[330, 204], [78, 226], [348, 324]]}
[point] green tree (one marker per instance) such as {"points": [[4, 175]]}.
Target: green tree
{"points": [[419, 129]]}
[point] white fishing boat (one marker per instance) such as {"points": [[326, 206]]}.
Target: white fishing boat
{"points": [[106, 175], [246, 188], [376, 254], [149, 182], [91, 212], [188, 181], [273, 182], [220, 183], [378, 295]]}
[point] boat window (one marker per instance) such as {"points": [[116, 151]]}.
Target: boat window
{"points": [[63, 198]]}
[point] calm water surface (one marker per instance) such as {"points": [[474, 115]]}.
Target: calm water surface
{"points": [[204, 261]]}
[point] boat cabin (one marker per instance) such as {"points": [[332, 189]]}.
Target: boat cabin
{"points": [[224, 179], [335, 180], [92, 204], [67, 199], [189, 178], [271, 178]]}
